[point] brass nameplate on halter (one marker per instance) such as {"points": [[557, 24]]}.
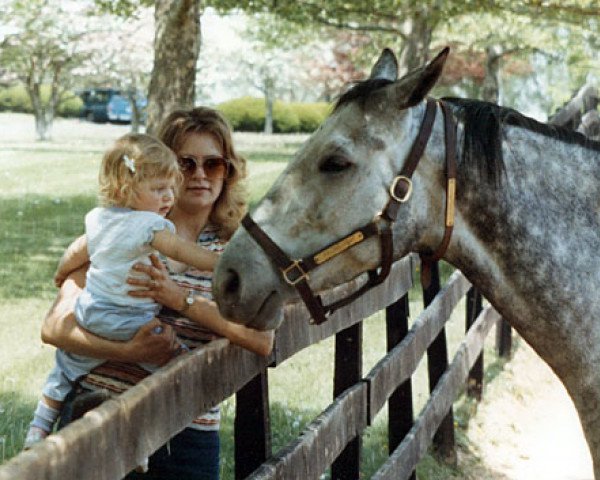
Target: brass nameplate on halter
{"points": [[451, 195], [339, 247]]}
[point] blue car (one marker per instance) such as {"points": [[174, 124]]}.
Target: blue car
{"points": [[110, 105]]}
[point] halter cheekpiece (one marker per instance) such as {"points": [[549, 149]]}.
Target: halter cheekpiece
{"points": [[295, 272]]}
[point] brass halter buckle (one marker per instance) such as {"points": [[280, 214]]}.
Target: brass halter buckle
{"points": [[293, 281], [401, 178]]}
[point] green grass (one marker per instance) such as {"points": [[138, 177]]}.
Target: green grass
{"points": [[46, 190]]}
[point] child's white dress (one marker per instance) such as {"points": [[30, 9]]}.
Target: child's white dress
{"points": [[117, 239]]}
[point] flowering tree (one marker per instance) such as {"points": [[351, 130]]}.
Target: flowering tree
{"points": [[46, 43]]}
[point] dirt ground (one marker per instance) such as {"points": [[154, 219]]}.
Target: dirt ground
{"points": [[526, 427]]}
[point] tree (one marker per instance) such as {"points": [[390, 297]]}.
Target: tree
{"points": [[176, 50], [121, 58], [46, 44]]}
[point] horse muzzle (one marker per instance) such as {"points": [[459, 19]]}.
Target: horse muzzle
{"points": [[246, 286]]}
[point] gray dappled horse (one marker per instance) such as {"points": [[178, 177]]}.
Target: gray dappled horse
{"points": [[526, 226]]}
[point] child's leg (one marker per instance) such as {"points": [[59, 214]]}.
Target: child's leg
{"points": [[44, 418]]}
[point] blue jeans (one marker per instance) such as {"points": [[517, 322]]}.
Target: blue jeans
{"points": [[194, 456], [189, 455]]}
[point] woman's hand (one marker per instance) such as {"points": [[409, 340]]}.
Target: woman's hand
{"points": [[153, 343], [158, 285]]}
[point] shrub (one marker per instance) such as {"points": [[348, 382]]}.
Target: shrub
{"points": [[16, 99], [285, 119], [245, 114], [311, 115], [248, 114]]}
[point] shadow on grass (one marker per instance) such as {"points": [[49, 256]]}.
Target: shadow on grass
{"points": [[35, 229]]}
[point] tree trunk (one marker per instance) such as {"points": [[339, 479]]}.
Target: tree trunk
{"points": [[41, 125], [135, 111], [269, 93], [490, 91], [415, 49], [176, 49]]}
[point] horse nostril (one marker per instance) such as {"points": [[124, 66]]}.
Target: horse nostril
{"points": [[232, 283]]}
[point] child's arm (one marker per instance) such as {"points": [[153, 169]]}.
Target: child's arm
{"points": [[75, 256], [190, 253]]}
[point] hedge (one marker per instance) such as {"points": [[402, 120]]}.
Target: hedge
{"points": [[247, 114], [15, 99]]}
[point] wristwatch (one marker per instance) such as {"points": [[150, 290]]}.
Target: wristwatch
{"points": [[189, 300]]}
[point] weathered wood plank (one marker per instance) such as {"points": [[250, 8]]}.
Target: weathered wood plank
{"points": [[399, 364], [296, 333], [321, 442], [137, 422], [404, 459]]}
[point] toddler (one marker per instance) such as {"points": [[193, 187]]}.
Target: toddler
{"points": [[138, 178]]}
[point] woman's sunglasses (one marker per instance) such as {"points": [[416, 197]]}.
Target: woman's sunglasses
{"points": [[214, 167]]}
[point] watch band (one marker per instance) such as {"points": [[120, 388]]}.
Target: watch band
{"points": [[188, 301]]}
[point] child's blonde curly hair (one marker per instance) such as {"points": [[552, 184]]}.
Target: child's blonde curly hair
{"points": [[134, 158]]}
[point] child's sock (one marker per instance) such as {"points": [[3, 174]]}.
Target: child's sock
{"points": [[44, 417]]}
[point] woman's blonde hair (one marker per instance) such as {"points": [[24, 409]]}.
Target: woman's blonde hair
{"points": [[231, 205], [134, 158]]}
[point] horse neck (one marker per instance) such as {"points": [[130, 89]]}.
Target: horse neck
{"points": [[530, 245]]}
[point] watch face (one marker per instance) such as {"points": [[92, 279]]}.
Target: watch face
{"points": [[189, 299]]}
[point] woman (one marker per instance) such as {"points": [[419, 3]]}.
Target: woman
{"points": [[208, 208]]}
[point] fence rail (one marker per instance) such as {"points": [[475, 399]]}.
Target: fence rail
{"points": [[138, 423]]}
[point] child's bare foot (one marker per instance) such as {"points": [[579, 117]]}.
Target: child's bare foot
{"points": [[34, 435]]}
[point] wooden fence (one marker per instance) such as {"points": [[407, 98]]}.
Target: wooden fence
{"points": [[112, 439]]}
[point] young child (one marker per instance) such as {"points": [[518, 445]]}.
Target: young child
{"points": [[138, 177]]}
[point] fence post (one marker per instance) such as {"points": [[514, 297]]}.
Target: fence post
{"points": [[347, 372], [252, 426], [504, 338], [475, 378], [437, 362], [400, 405]]}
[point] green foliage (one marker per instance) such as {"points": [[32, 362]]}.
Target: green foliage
{"points": [[285, 118], [15, 99], [311, 115], [247, 114]]}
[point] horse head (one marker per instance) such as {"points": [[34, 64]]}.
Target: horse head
{"points": [[338, 181]]}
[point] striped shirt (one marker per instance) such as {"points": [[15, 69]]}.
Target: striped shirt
{"points": [[118, 377]]}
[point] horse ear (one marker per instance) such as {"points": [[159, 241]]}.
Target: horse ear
{"points": [[426, 78], [386, 66]]}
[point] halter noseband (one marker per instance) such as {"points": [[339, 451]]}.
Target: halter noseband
{"points": [[295, 272]]}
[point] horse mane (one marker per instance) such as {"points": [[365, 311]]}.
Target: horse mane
{"points": [[483, 128], [360, 91], [483, 134]]}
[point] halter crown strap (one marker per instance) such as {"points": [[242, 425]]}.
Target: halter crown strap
{"points": [[450, 144]]}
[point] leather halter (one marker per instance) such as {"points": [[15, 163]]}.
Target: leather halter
{"points": [[295, 272]]}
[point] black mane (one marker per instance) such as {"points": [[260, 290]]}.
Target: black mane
{"points": [[360, 91], [483, 128], [483, 134]]}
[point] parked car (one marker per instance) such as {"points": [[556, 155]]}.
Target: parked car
{"points": [[110, 105]]}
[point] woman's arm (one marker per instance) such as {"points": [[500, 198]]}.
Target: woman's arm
{"points": [[204, 312], [62, 330]]}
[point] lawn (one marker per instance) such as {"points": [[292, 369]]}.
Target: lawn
{"points": [[46, 190]]}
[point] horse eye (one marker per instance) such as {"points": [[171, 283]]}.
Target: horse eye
{"points": [[334, 164]]}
